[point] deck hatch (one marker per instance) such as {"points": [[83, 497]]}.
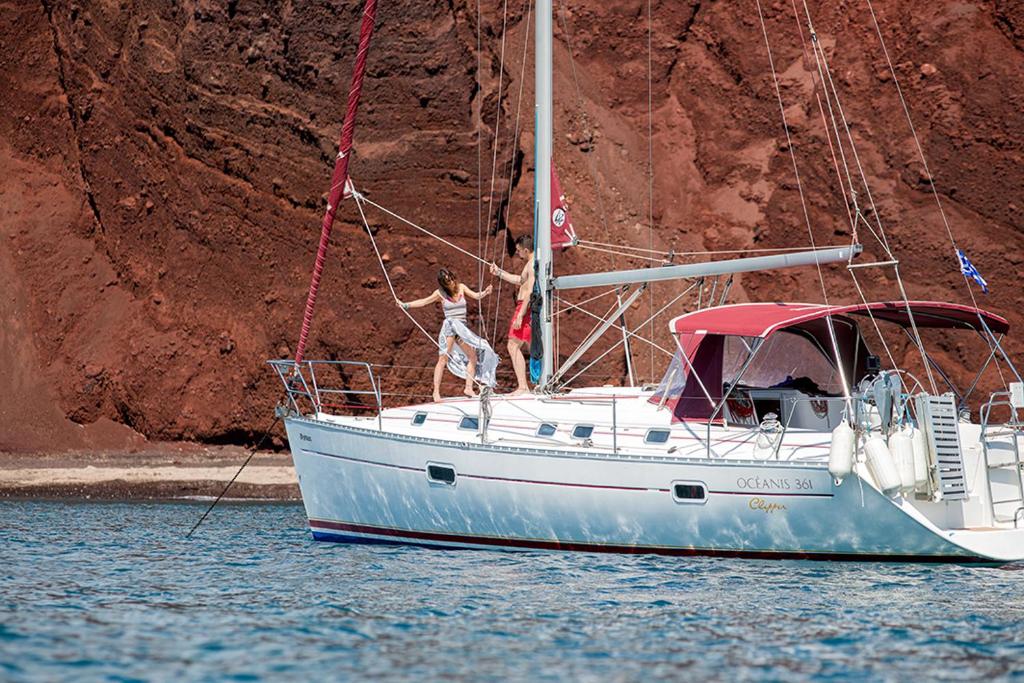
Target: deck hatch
{"points": [[547, 429], [657, 436], [582, 431]]}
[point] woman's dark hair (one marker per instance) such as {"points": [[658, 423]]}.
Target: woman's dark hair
{"points": [[449, 283], [525, 242]]}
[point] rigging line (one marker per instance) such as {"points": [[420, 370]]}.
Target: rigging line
{"points": [[619, 327], [590, 299], [803, 203], [511, 169], [824, 121], [874, 322], [591, 164], [363, 198], [650, 160], [819, 84], [631, 333], [497, 124], [827, 76], [478, 120], [871, 200], [216, 500], [626, 254], [910, 121], [920, 152], [433, 340]]}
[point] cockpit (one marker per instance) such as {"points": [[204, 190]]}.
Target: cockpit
{"points": [[794, 363]]}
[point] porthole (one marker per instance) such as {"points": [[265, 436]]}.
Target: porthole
{"points": [[693, 492], [657, 436], [419, 418], [582, 431], [441, 474], [547, 429], [469, 423]]}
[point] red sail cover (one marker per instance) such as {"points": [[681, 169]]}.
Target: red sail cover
{"points": [[562, 233]]}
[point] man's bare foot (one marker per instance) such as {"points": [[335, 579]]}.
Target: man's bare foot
{"points": [[468, 391], [437, 397], [520, 391]]}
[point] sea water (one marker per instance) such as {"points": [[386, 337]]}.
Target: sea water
{"points": [[114, 591]]}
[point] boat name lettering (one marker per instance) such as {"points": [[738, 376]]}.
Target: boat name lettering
{"points": [[765, 507], [769, 484], [304, 437]]}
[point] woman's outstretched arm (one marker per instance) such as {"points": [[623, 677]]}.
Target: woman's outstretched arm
{"points": [[474, 295], [420, 303]]}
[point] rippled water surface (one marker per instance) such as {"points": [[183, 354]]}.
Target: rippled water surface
{"points": [[113, 591]]}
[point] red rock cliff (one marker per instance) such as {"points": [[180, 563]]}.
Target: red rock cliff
{"points": [[163, 165]]}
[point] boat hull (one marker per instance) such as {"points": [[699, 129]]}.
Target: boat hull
{"points": [[365, 485]]}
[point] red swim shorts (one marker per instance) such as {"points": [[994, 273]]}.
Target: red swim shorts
{"points": [[522, 333]]}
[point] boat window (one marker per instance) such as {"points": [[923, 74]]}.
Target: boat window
{"points": [[547, 429], [582, 431], [441, 474], [657, 436], [789, 359], [419, 418], [469, 423], [689, 492]]}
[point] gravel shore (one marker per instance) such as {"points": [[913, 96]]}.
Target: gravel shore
{"points": [[164, 471]]}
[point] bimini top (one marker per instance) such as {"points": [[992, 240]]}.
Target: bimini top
{"points": [[762, 319]]}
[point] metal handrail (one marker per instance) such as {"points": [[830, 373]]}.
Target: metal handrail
{"points": [[997, 399], [297, 386]]}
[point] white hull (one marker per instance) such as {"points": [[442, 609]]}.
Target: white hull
{"points": [[361, 482]]}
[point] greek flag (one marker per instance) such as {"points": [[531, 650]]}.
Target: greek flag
{"points": [[968, 269]]}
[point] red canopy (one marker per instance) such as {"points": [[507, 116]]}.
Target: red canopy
{"points": [[762, 319]]}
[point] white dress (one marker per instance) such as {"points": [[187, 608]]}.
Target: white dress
{"points": [[455, 326]]}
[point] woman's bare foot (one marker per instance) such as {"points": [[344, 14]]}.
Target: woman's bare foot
{"points": [[520, 391], [437, 397], [468, 391]]}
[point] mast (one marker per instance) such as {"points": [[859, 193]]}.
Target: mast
{"points": [[542, 162]]}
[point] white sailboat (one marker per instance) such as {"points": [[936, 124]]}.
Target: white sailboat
{"points": [[774, 433]]}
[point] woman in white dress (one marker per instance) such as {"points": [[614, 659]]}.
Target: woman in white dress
{"points": [[466, 355]]}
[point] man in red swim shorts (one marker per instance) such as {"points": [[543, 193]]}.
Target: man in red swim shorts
{"points": [[519, 329]]}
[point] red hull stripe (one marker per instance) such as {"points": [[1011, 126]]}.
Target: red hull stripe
{"points": [[322, 528]]}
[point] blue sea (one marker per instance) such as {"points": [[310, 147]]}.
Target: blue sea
{"points": [[113, 591]]}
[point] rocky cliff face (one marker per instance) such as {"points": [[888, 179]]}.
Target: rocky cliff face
{"points": [[164, 166]]}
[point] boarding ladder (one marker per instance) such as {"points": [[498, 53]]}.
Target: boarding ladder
{"points": [[1001, 447]]}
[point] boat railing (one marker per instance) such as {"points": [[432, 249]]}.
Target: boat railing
{"points": [[314, 385]]}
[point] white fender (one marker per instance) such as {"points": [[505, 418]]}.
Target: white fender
{"points": [[840, 455], [901, 444], [881, 465]]}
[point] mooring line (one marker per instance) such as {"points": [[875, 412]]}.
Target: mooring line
{"points": [[252, 452]]}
